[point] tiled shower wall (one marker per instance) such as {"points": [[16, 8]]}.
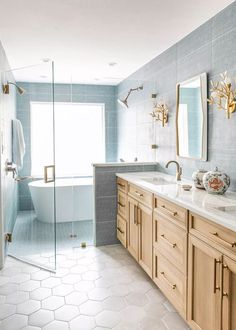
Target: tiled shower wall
{"points": [[64, 93], [8, 189], [212, 49]]}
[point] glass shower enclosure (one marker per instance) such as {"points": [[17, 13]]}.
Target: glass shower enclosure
{"points": [[33, 157]]}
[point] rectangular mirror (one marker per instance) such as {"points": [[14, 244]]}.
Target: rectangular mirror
{"points": [[191, 118]]}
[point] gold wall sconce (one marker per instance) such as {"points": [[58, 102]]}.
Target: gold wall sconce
{"points": [[223, 95], [160, 111]]}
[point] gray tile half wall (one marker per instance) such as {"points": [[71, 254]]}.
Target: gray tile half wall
{"points": [[105, 198]]}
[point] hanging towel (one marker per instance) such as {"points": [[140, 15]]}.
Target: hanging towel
{"points": [[18, 143]]}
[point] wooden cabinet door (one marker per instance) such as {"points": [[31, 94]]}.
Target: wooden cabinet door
{"points": [[133, 228], [145, 238], [204, 286], [229, 294]]}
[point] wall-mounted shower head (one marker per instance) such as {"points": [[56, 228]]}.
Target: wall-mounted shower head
{"points": [[124, 102], [6, 88]]}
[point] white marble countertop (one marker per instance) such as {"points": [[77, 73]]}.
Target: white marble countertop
{"points": [[220, 209]]}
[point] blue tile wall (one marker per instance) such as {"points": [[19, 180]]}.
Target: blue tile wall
{"points": [[65, 93], [211, 48]]}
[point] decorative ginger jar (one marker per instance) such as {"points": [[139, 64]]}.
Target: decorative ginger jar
{"points": [[216, 182], [198, 178]]}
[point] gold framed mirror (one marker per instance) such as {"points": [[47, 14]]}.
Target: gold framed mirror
{"points": [[191, 118]]}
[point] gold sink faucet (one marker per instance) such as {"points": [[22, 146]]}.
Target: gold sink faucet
{"points": [[178, 168]]}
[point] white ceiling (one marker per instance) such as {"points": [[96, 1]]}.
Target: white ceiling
{"points": [[84, 36]]}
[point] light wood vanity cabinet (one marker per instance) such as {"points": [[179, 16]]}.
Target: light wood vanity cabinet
{"points": [[212, 276], [192, 260]]}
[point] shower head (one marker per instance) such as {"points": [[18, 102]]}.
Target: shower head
{"points": [[6, 89], [124, 102]]}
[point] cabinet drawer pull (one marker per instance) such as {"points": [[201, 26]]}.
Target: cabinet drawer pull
{"points": [[225, 271], [135, 215], [173, 286], [233, 244], [121, 231], [121, 184], [173, 245], [216, 287], [138, 194], [120, 204], [169, 211]]}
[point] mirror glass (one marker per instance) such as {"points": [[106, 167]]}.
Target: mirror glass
{"points": [[191, 118]]}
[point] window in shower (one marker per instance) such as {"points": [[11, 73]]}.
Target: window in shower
{"points": [[79, 137]]}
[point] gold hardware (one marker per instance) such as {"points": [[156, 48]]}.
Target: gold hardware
{"points": [[139, 216], [135, 215], [83, 245], [49, 173], [173, 286], [225, 294], [6, 89], [173, 245], [154, 146], [8, 237], [223, 95], [137, 193], [178, 169], [169, 211], [121, 184], [120, 204], [121, 231], [216, 287], [233, 244], [160, 111]]}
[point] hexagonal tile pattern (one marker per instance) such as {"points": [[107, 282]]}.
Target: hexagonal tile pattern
{"points": [[14, 322], [41, 318], [90, 308], [99, 294], [66, 313], [76, 298], [93, 288], [40, 293], [114, 303], [52, 302], [108, 319], [56, 325], [82, 322], [7, 310], [28, 307]]}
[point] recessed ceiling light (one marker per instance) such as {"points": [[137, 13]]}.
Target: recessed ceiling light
{"points": [[43, 76], [112, 63]]}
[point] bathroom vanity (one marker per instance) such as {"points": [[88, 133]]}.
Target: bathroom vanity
{"points": [[185, 241]]}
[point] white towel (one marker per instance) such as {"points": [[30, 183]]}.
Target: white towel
{"points": [[18, 143]]}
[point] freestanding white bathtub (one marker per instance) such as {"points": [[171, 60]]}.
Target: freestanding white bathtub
{"points": [[73, 196]]}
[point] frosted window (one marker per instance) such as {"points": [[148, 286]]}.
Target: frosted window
{"points": [[79, 137]]}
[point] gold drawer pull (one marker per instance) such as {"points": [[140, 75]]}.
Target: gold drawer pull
{"points": [[120, 204], [216, 287], [233, 244], [137, 193], [173, 286], [173, 245], [121, 231], [169, 211], [121, 184]]}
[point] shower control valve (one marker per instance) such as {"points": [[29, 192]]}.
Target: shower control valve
{"points": [[10, 167]]}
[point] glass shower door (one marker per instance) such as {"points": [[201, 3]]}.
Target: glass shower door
{"points": [[33, 216]]}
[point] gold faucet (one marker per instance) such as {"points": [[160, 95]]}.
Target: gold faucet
{"points": [[179, 169]]}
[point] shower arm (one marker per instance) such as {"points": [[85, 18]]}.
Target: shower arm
{"points": [[132, 90]]}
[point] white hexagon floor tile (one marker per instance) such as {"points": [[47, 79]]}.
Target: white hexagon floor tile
{"points": [[94, 288]]}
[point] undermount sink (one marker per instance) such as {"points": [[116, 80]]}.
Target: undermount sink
{"points": [[231, 209], [158, 181]]}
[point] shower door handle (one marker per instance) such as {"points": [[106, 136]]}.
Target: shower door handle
{"points": [[49, 173]]}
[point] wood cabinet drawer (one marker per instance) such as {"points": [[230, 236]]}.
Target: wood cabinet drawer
{"points": [[122, 205], [122, 185], [174, 212], [170, 240], [122, 230], [220, 235], [141, 195], [171, 282]]}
